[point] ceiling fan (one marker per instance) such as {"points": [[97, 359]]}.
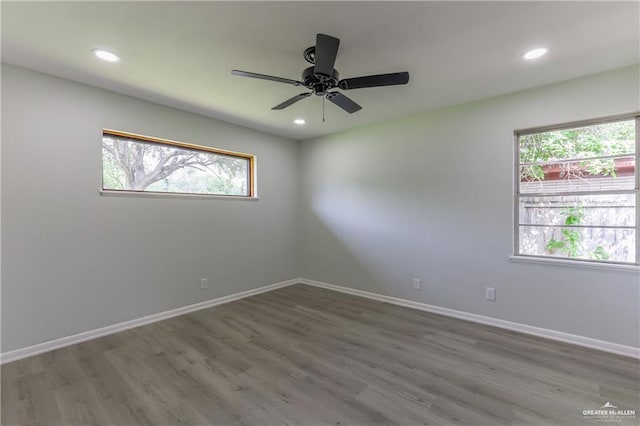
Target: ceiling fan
{"points": [[322, 77]]}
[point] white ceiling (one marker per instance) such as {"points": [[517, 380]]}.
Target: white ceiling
{"points": [[181, 53]]}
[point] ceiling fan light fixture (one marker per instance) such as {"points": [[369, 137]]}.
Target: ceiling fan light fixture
{"points": [[535, 53], [299, 121], [105, 55]]}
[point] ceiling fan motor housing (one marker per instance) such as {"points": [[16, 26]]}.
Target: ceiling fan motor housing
{"points": [[319, 85]]}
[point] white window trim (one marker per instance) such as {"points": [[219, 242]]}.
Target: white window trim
{"points": [[566, 262]]}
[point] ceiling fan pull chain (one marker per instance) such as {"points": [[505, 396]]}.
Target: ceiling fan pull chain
{"points": [[323, 98]]}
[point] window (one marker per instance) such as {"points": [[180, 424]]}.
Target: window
{"points": [[143, 164], [577, 191]]}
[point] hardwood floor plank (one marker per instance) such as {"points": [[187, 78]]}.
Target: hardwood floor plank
{"points": [[397, 406], [112, 392], [78, 405], [30, 397]]}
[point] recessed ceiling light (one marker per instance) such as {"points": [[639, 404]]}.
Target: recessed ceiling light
{"points": [[535, 53], [105, 55], [299, 121]]}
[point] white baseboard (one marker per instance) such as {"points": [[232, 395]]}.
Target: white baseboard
{"points": [[115, 328], [588, 342], [574, 339]]}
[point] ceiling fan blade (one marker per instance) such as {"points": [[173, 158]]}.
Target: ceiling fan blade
{"points": [[325, 56], [266, 77], [343, 102], [292, 101], [379, 80]]}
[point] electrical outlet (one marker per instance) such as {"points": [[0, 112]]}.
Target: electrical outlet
{"points": [[204, 283], [417, 283], [490, 293]]}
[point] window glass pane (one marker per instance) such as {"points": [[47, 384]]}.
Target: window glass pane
{"points": [[603, 244], [617, 138], [582, 175], [134, 165], [589, 210]]}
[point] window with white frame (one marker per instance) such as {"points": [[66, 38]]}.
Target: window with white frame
{"points": [[576, 191], [135, 163]]}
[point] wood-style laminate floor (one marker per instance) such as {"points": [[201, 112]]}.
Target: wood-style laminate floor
{"points": [[309, 356]]}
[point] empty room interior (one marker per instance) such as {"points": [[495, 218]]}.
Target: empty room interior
{"points": [[313, 213]]}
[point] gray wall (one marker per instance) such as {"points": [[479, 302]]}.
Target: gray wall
{"points": [[430, 196], [74, 260]]}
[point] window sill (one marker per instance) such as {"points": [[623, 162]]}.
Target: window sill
{"points": [[146, 194], [575, 263]]}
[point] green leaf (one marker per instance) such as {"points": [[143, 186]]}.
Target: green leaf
{"points": [[599, 254], [555, 244]]}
